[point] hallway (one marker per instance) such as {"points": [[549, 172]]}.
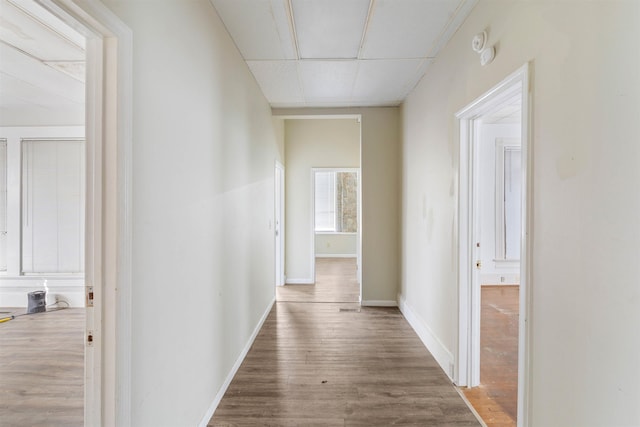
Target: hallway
{"points": [[329, 364], [336, 281]]}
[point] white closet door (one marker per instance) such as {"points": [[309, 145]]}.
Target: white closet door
{"points": [[53, 206]]}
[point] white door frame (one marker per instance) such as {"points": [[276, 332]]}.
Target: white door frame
{"points": [[467, 363], [107, 399], [279, 225]]}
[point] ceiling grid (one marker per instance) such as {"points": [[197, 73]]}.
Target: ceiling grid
{"points": [[346, 52]]}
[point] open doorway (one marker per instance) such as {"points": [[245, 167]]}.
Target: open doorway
{"points": [[42, 215], [107, 216], [493, 252], [335, 230], [322, 234]]}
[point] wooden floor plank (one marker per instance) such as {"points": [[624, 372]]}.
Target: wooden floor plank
{"points": [[496, 399], [336, 281], [317, 364], [42, 369]]}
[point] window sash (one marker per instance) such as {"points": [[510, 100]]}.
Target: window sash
{"points": [[53, 198]]}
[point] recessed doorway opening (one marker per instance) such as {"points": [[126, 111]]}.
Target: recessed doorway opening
{"points": [[322, 209], [491, 362]]}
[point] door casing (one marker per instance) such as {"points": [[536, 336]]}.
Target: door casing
{"points": [[279, 226], [467, 123], [108, 236]]}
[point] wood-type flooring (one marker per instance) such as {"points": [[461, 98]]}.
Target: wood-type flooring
{"points": [[496, 399], [336, 281], [339, 364], [42, 369]]}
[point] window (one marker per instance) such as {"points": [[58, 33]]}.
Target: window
{"points": [[53, 206], [508, 200], [336, 202]]}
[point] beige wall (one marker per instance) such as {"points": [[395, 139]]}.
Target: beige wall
{"points": [[585, 63], [204, 150], [380, 176], [336, 244], [311, 143]]}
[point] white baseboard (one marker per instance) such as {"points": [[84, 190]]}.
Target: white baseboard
{"points": [[299, 282], [216, 401], [500, 279], [14, 290], [378, 303], [439, 351], [336, 256]]}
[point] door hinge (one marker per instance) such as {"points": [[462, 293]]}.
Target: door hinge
{"points": [[89, 338], [478, 265], [89, 296]]}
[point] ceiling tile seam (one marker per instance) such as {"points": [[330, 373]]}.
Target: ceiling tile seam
{"points": [[292, 28], [363, 39], [277, 27]]}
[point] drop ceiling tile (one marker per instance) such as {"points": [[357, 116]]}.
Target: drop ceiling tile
{"points": [[327, 80], [387, 80], [28, 34], [406, 28], [329, 28], [278, 80], [260, 28]]}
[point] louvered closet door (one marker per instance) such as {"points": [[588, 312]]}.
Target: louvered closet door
{"points": [[53, 188]]}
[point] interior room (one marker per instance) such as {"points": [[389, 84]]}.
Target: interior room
{"points": [[494, 395], [42, 213], [186, 113]]}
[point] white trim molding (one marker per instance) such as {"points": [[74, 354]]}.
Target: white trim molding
{"points": [[299, 281], [68, 289], [109, 90], [467, 364], [223, 389], [378, 303], [430, 340], [336, 256]]}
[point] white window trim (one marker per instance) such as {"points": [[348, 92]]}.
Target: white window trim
{"points": [[24, 211]]}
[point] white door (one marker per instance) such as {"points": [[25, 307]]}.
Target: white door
{"points": [[279, 224]]}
